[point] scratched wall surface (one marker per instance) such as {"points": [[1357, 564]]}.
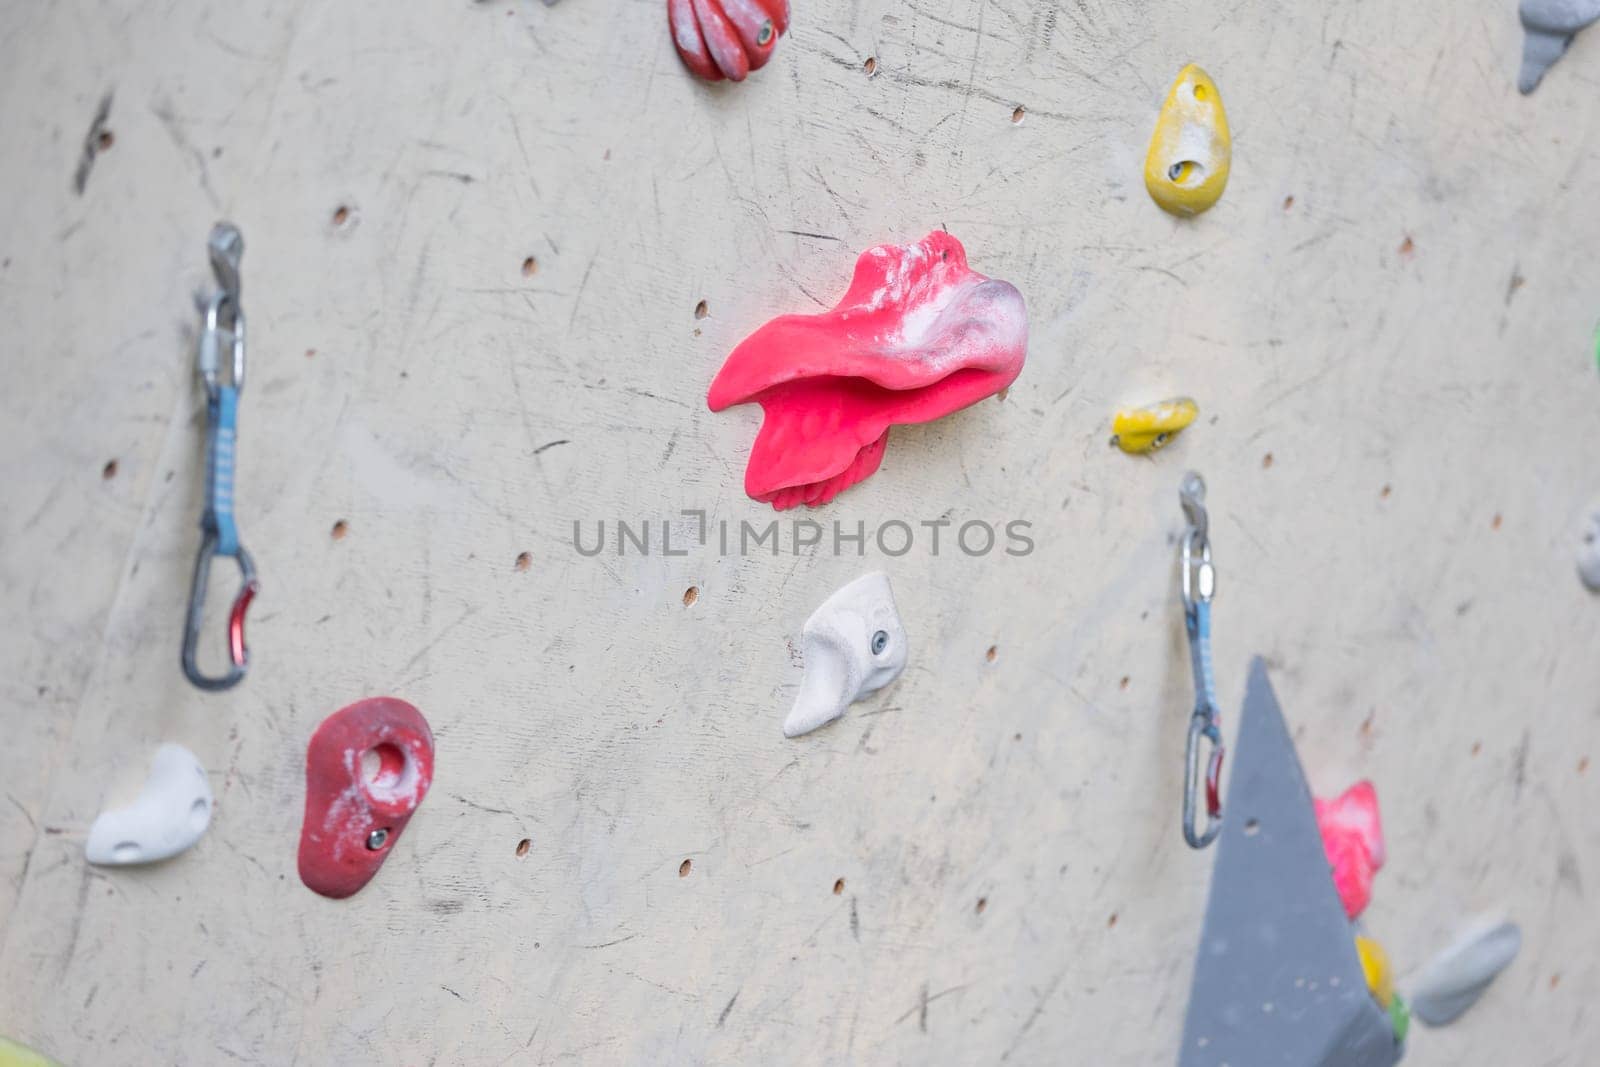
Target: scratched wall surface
{"points": [[1387, 322]]}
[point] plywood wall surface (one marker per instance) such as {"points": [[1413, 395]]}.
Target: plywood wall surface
{"points": [[1388, 322]]}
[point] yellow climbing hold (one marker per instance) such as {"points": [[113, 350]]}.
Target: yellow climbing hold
{"points": [[1191, 150], [15, 1055], [1141, 430], [1375, 965]]}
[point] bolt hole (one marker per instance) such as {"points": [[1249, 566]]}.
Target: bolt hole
{"points": [[838, 886], [701, 310], [341, 215], [1252, 827], [1186, 172], [683, 869], [870, 66], [523, 846], [109, 471], [340, 528], [1018, 114], [690, 595], [530, 267], [524, 561], [382, 767], [880, 641]]}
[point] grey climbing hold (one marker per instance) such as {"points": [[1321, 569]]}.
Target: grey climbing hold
{"points": [[1549, 26], [1454, 979], [1277, 981], [1589, 550]]}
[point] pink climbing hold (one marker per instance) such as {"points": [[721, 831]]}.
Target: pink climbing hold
{"points": [[917, 336], [1352, 836], [368, 766], [720, 39]]}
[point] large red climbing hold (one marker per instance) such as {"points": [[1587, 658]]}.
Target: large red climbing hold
{"points": [[726, 38], [368, 766], [917, 336], [1352, 836]]}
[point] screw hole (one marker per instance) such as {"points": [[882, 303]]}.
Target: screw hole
{"points": [[1200, 93], [983, 902], [530, 267], [838, 886], [523, 846], [1018, 114], [1186, 172], [880, 641], [992, 654], [690, 595], [1126, 681], [701, 310], [1252, 827], [340, 528], [109, 471], [105, 140], [683, 869], [341, 215], [1266, 461], [870, 66], [524, 561], [1288, 202]]}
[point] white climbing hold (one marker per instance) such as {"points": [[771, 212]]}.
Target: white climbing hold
{"points": [[1454, 979], [1589, 550], [853, 645], [172, 811]]}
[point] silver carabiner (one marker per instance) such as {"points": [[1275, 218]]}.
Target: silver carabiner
{"points": [[1199, 586]]}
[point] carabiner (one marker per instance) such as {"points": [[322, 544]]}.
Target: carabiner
{"points": [[1199, 586], [238, 652], [218, 534]]}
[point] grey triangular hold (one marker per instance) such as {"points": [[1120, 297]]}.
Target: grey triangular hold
{"points": [[1549, 26], [1277, 982], [1454, 979]]}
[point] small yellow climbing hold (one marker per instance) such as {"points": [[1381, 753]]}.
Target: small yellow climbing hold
{"points": [[1191, 150], [15, 1055], [1141, 430], [1375, 965]]}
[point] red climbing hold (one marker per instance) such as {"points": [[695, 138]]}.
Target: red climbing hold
{"points": [[726, 38], [368, 766], [917, 336], [1352, 836]]}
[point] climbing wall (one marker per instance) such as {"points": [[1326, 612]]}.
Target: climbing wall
{"points": [[476, 238]]}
